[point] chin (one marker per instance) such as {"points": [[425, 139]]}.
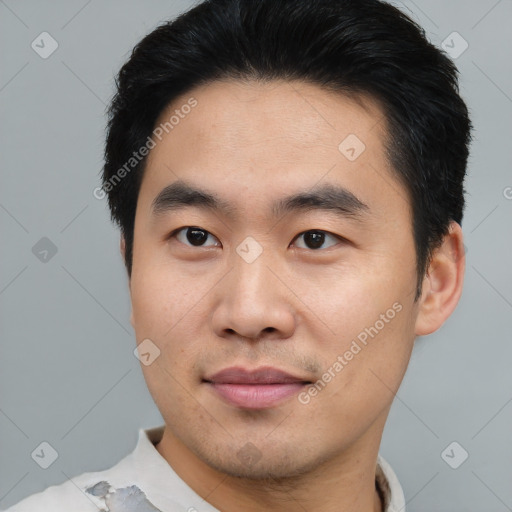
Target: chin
{"points": [[271, 464]]}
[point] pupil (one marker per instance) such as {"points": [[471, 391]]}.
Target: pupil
{"points": [[314, 239], [196, 236]]}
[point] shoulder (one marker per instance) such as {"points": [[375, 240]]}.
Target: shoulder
{"points": [[69, 495], [82, 493]]}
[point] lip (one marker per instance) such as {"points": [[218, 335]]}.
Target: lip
{"points": [[261, 375], [259, 388]]}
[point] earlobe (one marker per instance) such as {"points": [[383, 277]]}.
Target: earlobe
{"points": [[442, 285]]}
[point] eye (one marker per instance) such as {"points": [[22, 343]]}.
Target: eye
{"points": [[314, 239], [192, 236]]}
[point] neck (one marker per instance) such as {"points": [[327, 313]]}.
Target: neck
{"points": [[345, 482]]}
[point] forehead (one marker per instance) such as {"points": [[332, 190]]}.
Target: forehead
{"points": [[260, 139], [281, 113]]}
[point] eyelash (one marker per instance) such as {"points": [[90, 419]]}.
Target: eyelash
{"points": [[339, 238]]}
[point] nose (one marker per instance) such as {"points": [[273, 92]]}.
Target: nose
{"points": [[253, 303]]}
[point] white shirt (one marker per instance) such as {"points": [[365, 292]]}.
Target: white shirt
{"points": [[144, 481]]}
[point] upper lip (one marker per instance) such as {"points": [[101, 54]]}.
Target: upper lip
{"points": [[262, 375]]}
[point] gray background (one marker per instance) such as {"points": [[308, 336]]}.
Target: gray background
{"points": [[68, 375]]}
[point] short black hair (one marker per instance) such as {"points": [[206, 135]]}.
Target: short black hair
{"points": [[365, 47]]}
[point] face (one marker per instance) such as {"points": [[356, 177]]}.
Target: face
{"points": [[320, 287]]}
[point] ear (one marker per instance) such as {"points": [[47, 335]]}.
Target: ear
{"points": [[442, 285], [122, 247]]}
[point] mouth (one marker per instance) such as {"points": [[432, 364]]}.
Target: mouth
{"points": [[260, 388]]}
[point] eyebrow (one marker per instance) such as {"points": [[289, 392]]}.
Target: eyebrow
{"points": [[327, 197]]}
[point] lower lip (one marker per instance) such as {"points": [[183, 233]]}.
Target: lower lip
{"points": [[256, 396]]}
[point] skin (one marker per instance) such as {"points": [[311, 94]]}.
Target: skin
{"points": [[295, 308]]}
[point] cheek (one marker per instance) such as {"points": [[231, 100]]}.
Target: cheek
{"points": [[347, 299], [167, 309], [369, 317], [361, 378], [160, 297]]}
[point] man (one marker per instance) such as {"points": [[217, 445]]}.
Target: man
{"points": [[290, 221]]}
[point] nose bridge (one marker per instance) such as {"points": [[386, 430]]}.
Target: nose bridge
{"points": [[252, 302], [250, 278]]}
